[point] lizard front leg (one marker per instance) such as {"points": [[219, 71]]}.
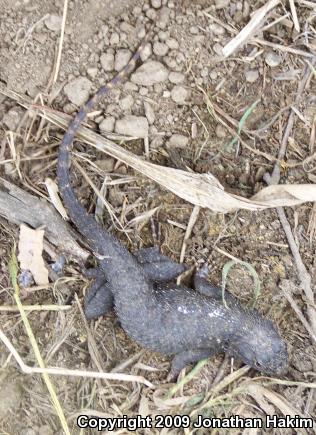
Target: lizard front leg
{"points": [[186, 357]]}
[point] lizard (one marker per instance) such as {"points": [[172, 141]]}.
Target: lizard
{"points": [[171, 319]]}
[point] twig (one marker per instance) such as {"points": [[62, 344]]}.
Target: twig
{"points": [[298, 312], [250, 28], [13, 270], [191, 223], [303, 274], [294, 16], [68, 372], [15, 308], [282, 47], [275, 173], [61, 41]]}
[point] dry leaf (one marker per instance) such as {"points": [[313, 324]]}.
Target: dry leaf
{"points": [[30, 254], [263, 395], [52, 190], [203, 190]]}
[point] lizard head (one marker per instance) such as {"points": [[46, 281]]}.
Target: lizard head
{"points": [[259, 345]]}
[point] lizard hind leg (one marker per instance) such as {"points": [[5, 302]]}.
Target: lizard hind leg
{"points": [[99, 298], [203, 286]]}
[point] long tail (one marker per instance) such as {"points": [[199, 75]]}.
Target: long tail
{"points": [[85, 223]]}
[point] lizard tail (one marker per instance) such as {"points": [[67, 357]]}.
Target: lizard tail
{"points": [[85, 223]]}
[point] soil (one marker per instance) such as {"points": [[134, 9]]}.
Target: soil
{"points": [[183, 133]]}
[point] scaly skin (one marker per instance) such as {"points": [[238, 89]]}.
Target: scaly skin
{"points": [[169, 319]]}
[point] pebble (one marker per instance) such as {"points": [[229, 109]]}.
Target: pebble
{"points": [[150, 73], [92, 72], [218, 49], [106, 164], [131, 125], [220, 131], [157, 142], [107, 61], [176, 77], [273, 59], [252, 75], [216, 29], [160, 49], [221, 4], [194, 30], [172, 43], [179, 94], [11, 395], [53, 22], [78, 90], [12, 118], [149, 112], [178, 141], [163, 18], [115, 39], [121, 58], [156, 4], [107, 125], [126, 103], [146, 52]]}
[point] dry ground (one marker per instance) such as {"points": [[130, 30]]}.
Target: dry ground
{"points": [[187, 40]]}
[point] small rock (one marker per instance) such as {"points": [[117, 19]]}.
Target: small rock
{"points": [[220, 131], [179, 94], [28, 431], [160, 49], [127, 103], [136, 126], [92, 72], [149, 112], [143, 91], [106, 165], [216, 29], [176, 77], [78, 90], [150, 73], [45, 430], [273, 59], [114, 39], [107, 61], [252, 75], [156, 4], [12, 118], [172, 43], [121, 58], [10, 397], [53, 22], [146, 52], [157, 142], [107, 125], [221, 4], [218, 49], [194, 30], [163, 18], [178, 141]]}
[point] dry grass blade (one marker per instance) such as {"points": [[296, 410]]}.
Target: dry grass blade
{"points": [[261, 394], [45, 371], [250, 28], [13, 268], [203, 190]]}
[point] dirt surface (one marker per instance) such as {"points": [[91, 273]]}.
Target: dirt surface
{"points": [[172, 110]]}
